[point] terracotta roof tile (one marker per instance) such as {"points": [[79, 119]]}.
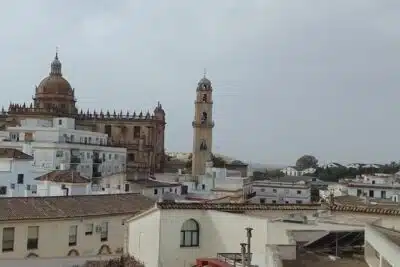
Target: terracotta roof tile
{"points": [[13, 153], [290, 207], [64, 176], [395, 211], [236, 206], [24, 208]]}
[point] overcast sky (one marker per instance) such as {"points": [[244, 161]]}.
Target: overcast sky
{"points": [[290, 77]]}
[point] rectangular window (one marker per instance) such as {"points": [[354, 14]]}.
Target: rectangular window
{"points": [[20, 179], [299, 192], [126, 187], [383, 194], [274, 190], [299, 202], [73, 231], [33, 237], [274, 201], [136, 131], [104, 232], [8, 239], [131, 157], [89, 229], [59, 122], [107, 130], [3, 190], [371, 193], [262, 200], [155, 191]]}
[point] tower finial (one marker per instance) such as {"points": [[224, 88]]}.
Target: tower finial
{"points": [[205, 72], [56, 65]]}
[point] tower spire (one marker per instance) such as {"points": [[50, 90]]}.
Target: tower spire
{"points": [[56, 57], [55, 69], [205, 72]]}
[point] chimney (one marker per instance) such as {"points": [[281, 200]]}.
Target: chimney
{"points": [[249, 229], [243, 251]]}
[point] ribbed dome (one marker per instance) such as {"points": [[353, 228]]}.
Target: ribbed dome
{"points": [[55, 84]]}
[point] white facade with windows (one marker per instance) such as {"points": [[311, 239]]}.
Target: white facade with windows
{"points": [[373, 186], [17, 176], [218, 182], [281, 192], [74, 226], [173, 234], [55, 144]]}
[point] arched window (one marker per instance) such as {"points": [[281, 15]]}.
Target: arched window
{"points": [[190, 234]]}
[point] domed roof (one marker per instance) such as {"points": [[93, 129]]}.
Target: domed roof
{"points": [[204, 81], [55, 83]]}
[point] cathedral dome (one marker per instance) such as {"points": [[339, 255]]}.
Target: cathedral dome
{"points": [[55, 83]]}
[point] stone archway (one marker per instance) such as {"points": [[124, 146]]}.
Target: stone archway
{"points": [[104, 250], [73, 253], [32, 255]]}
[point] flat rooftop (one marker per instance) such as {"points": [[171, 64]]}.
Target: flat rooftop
{"points": [[309, 259], [391, 234]]}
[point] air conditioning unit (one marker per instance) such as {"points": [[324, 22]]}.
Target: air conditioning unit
{"points": [[98, 228]]}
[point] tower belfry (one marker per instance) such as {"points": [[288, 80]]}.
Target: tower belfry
{"points": [[202, 126]]}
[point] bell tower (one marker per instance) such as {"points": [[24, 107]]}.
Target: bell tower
{"points": [[202, 126]]}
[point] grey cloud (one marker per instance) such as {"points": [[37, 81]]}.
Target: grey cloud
{"points": [[290, 77]]}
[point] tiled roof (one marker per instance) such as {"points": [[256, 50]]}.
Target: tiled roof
{"points": [[395, 211], [30, 208], [12, 153], [239, 207], [236, 206], [64, 176]]}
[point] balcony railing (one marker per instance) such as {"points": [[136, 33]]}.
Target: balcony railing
{"points": [[204, 124]]}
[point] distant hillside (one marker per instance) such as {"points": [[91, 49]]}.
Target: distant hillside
{"points": [[184, 156]]}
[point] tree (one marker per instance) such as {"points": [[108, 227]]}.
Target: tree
{"points": [[123, 261], [307, 161], [275, 173]]}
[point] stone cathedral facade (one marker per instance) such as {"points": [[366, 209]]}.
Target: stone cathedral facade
{"points": [[203, 125], [142, 133]]}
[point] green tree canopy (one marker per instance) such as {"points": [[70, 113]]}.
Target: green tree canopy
{"points": [[307, 161]]}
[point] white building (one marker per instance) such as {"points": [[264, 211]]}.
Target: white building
{"points": [[58, 227], [178, 234], [295, 171], [374, 186], [382, 246], [218, 183], [16, 173], [55, 142], [281, 191]]}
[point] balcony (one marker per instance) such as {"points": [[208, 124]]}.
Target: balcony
{"points": [[203, 125]]}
